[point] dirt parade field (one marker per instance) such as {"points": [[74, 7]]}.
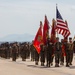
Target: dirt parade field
{"points": [[8, 67]]}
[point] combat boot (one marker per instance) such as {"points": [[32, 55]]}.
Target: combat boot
{"points": [[67, 65], [56, 65], [36, 63]]}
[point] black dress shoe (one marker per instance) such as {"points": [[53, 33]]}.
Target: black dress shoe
{"points": [[56, 65], [51, 64], [70, 63], [36, 63], [67, 66]]}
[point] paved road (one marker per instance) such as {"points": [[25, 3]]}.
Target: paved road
{"points": [[7, 67]]}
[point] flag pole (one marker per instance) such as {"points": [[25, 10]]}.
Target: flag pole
{"points": [[56, 20]]}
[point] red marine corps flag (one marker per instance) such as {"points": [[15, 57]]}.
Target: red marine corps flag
{"points": [[45, 30], [38, 39], [53, 32]]}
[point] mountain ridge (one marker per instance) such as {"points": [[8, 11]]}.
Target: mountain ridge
{"points": [[18, 37]]}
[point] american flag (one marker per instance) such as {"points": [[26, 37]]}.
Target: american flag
{"points": [[61, 26]]}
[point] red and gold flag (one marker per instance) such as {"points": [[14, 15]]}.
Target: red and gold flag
{"points": [[38, 39], [45, 30], [53, 32]]}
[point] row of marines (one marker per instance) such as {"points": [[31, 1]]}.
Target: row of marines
{"points": [[48, 53], [59, 50]]}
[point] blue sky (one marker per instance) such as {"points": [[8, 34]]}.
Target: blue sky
{"points": [[24, 16]]}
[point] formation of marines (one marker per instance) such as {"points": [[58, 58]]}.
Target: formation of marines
{"points": [[58, 52]]}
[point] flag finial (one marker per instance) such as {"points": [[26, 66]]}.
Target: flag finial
{"points": [[41, 24], [56, 4]]}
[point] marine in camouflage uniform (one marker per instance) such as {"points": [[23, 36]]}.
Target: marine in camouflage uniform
{"points": [[70, 50], [24, 51], [62, 53], [67, 52], [36, 57], [42, 54], [49, 52], [14, 52], [57, 52], [32, 52]]}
